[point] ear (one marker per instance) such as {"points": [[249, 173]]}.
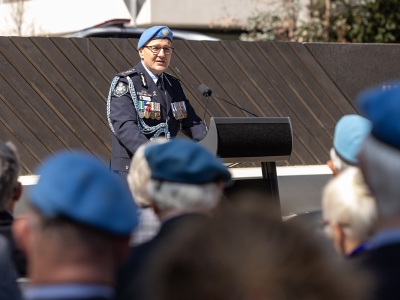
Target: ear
{"points": [[141, 53], [339, 237], [16, 195], [21, 232], [155, 208], [332, 167], [17, 191]]}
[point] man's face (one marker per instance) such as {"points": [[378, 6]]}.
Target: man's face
{"points": [[156, 63]]}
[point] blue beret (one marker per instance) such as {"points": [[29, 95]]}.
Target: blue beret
{"points": [[182, 160], [350, 133], [382, 108], [155, 32], [79, 187]]}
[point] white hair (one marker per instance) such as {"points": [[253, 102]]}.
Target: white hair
{"points": [[347, 200], [380, 164], [139, 174], [183, 196], [338, 163]]}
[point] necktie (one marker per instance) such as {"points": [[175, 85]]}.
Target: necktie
{"points": [[160, 87]]}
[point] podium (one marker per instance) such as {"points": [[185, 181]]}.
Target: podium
{"points": [[251, 139]]}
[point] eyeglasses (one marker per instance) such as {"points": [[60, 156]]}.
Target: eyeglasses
{"points": [[157, 49]]}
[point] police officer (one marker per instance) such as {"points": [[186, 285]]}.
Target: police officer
{"points": [[145, 101]]}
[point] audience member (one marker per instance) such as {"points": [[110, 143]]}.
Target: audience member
{"points": [[380, 164], [248, 253], [350, 132], [138, 178], [185, 186], [77, 229], [349, 212], [9, 289], [10, 192]]}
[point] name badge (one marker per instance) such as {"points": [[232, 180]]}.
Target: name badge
{"points": [[145, 98]]}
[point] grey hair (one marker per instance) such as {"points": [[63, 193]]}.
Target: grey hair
{"points": [[380, 164], [183, 196], [347, 200], [9, 172], [139, 174], [338, 163]]}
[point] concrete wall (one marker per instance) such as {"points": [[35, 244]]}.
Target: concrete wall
{"points": [[299, 187]]}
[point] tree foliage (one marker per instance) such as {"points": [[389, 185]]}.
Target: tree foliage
{"points": [[362, 21]]}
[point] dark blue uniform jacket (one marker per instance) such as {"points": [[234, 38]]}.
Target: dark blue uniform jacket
{"points": [[128, 136]]}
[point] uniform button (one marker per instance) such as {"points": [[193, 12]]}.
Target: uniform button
{"points": [[126, 167]]}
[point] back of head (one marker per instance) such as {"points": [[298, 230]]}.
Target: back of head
{"points": [[347, 200], [139, 174], [9, 172], [380, 155], [248, 253], [184, 176]]}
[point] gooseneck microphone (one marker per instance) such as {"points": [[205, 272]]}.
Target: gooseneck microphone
{"points": [[206, 92]]}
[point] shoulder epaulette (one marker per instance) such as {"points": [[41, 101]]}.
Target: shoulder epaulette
{"points": [[127, 73], [172, 76]]}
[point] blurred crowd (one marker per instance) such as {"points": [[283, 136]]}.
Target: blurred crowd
{"points": [[168, 232]]}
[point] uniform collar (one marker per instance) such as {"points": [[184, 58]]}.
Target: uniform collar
{"points": [[68, 291], [363, 247], [154, 77]]}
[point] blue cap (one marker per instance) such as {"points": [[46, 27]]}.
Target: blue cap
{"points": [[155, 32], [79, 187], [382, 108], [350, 133], [182, 160]]}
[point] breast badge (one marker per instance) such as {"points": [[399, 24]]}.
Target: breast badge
{"points": [[179, 110]]}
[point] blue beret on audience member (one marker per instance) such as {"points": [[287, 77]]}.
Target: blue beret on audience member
{"points": [[155, 32], [182, 160], [79, 187], [350, 133], [382, 108]]}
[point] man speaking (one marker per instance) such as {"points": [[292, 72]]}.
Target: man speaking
{"points": [[145, 102]]}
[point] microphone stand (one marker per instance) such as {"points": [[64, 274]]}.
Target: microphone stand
{"points": [[204, 117]]}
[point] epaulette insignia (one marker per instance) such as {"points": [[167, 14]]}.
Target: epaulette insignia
{"points": [[120, 89], [126, 73], [172, 76]]}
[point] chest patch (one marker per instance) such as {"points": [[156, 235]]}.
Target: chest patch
{"points": [[120, 89]]}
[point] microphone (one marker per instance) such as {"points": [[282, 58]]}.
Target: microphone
{"points": [[206, 92]]}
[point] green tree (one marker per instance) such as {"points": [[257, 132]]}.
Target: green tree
{"points": [[378, 21], [280, 24], [362, 21]]}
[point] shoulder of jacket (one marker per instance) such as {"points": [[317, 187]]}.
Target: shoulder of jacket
{"points": [[171, 76], [127, 73]]}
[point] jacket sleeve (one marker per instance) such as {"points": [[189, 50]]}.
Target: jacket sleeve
{"points": [[193, 126], [124, 121]]}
